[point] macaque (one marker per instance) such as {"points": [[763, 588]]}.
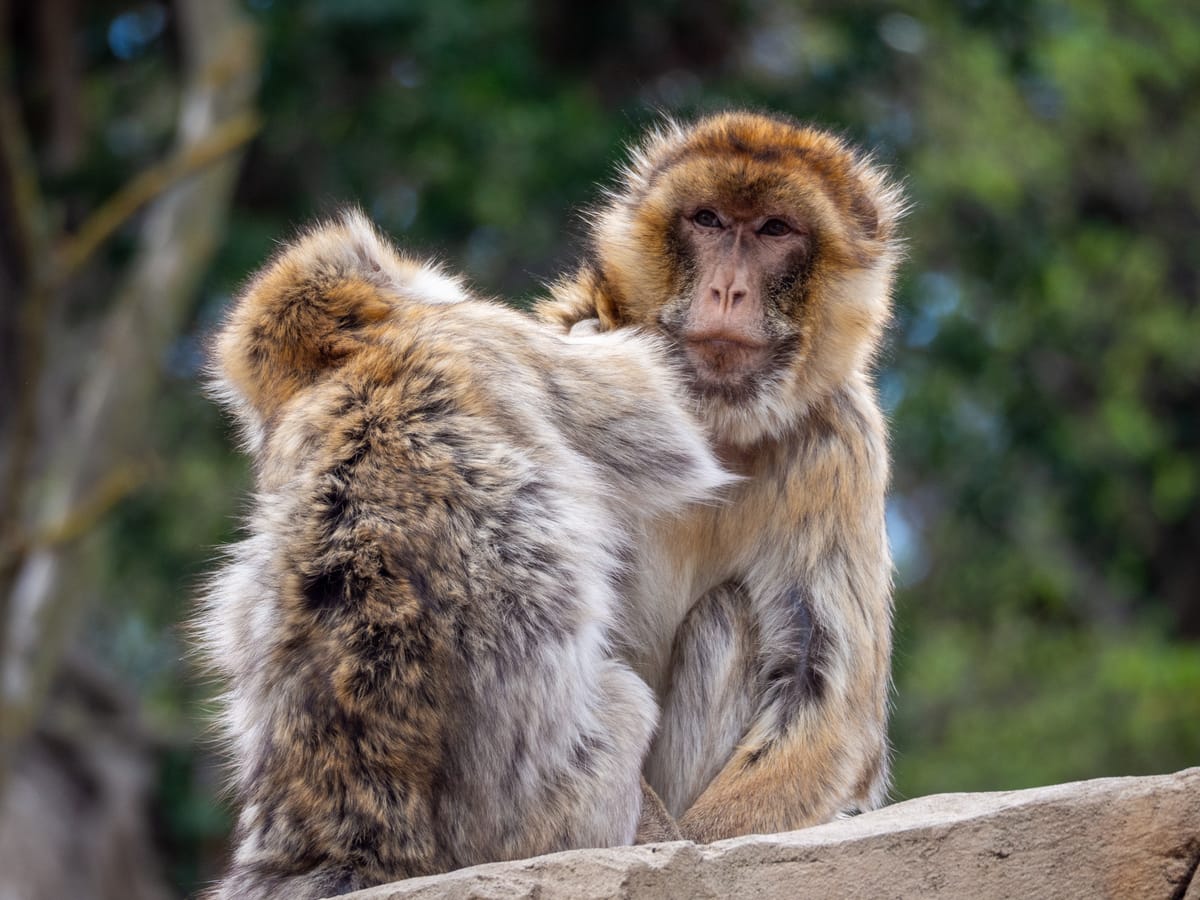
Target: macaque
{"points": [[762, 252], [418, 630]]}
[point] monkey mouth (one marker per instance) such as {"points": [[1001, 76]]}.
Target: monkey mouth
{"points": [[726, 362]]}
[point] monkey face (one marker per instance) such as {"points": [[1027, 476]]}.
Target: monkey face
{"points": [[741, 263], [763, 250]]}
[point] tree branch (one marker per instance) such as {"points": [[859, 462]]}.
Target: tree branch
{"points": [[186, 201], [147, 185], [111, 490], [19, 173], [27, 213]]}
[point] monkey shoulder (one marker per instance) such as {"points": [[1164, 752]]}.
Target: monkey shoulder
{"points": [[845, 427]]}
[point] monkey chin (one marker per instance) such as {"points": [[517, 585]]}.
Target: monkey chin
{"points": [[726, 368]]}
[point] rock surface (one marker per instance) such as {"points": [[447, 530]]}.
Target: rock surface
{"points": [[1111, 837]]}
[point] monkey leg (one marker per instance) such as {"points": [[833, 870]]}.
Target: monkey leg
{"points": [[602, 792], [557, 766], [711, 698], [265, 884], [565, 774]]}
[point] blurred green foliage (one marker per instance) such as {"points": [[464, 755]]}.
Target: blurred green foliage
{"points": [[1043, 376]]}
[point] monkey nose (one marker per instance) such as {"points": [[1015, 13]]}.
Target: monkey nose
{"points": [[728, 296]]}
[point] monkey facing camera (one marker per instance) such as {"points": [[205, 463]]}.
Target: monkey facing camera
{"points": [[762, 251], [499, 592]]}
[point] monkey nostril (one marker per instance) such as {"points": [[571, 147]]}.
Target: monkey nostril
{"points": [[717, 295], [737, 297]]}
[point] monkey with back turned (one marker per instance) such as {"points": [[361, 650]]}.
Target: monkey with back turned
{"points": [[476, 559], [417, 631]]}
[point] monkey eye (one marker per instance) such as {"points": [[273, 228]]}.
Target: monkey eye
{"points": [[706, 218], [775, 228]]}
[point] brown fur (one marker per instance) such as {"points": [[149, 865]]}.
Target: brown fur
{"points": [[416, 631], [795, 563], [656, 825]]}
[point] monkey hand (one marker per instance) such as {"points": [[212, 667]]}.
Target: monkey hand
{"points": [[655, 825], [701, 829], [585, 328]]}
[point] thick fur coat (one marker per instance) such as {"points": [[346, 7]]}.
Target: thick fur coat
{"points": [[763, 624], [417, 630]]}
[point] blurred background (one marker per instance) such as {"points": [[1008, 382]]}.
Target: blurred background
{"points": [[1042, 377]]}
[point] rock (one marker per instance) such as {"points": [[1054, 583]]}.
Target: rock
{"points": [[1111, 837]]}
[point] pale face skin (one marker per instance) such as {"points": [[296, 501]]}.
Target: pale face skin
{"points": [[739, 255]]}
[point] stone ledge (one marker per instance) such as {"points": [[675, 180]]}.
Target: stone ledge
{"points": [[1110, 837]]}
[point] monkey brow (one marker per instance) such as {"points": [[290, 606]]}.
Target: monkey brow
{"points": [[772, 155]]}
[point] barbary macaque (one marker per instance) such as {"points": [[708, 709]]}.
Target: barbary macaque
{"points": [[762, 251], [417, 630], [484, 552]]}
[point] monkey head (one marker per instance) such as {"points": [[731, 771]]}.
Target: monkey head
{"points": [[763, 250]]}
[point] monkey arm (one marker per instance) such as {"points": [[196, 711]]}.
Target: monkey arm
{"points": [[829, 755], [817, 743], [712, 698]]}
